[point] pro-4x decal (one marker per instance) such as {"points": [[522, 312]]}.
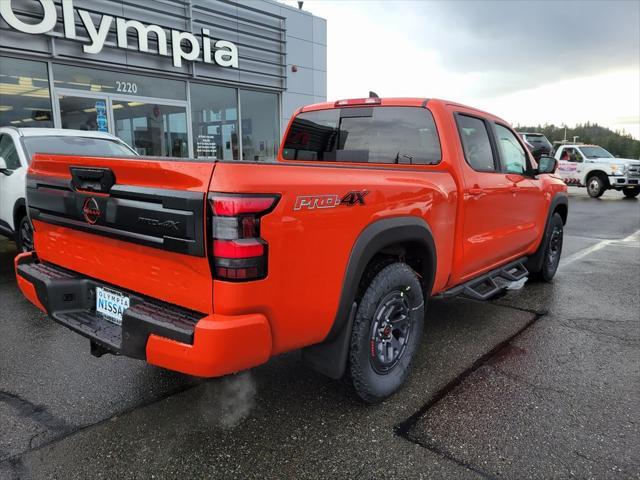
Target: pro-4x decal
{"points": [[311, 202]]}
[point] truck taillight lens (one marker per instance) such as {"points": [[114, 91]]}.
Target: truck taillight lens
{"points": [[238, 251]]}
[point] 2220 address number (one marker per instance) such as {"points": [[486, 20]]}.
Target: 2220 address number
{"points": [[126, 87]]}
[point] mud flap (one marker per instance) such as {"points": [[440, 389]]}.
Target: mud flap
{"points": [[330, 358]]}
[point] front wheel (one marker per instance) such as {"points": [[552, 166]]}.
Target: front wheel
{"points": [[631, 192], [386, 332], [24, 235], [596, 186], [552, 250]]}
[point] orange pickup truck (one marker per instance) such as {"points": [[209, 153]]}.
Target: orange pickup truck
{"points": [[372, 207]]}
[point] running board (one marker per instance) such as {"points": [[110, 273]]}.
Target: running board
{"points": [[491, 283]]}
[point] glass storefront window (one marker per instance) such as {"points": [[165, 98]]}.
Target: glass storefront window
{"points": [[214, 112], [82, 113], [117, 83], [24, 94], [152, 129], [260, 125]]}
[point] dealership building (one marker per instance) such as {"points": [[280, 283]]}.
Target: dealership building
{"points": [[179, 78]]}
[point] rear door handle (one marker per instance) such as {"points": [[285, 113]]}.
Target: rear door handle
{"points": [[476, 191]]}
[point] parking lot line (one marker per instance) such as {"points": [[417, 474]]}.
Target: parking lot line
{"points": [[632, 240]]}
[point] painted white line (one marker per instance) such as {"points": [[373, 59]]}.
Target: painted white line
{"points": [[631, 239]]}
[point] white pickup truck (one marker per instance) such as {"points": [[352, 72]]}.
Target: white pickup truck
{"points": [[593, 167], [17, 146]]}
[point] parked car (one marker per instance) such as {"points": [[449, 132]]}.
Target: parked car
{"points": [[372, 207], [17, 146], [591, 166], [537, 143]]}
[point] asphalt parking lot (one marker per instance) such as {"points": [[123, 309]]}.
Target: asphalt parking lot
{"points": [[542, 382]]}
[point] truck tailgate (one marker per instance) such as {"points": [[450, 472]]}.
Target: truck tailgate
{"points": [[136, 223]]}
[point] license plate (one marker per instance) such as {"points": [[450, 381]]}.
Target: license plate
{"points": [[111, 304]]}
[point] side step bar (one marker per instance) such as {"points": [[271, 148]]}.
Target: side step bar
{"points": [[491, 283]]}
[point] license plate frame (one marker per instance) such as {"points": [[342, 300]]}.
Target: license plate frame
{"points": [[111, 304]]}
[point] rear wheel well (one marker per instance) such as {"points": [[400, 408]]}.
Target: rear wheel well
{"points": [[563, 211], [413, 254], [19, 211]]}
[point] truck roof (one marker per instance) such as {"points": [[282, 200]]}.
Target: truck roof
{"points": [[397, 102]]}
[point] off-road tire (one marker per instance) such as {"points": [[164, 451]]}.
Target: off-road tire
{"points": [[24, 235], [631, 192], [596, 185], [396, 285], [552, 250]]}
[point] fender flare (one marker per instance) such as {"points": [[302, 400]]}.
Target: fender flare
{"points": [[330, 356], [534, 262]]}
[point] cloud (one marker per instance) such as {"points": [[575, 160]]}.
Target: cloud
{"points": [[530, 62], [506, 45]]}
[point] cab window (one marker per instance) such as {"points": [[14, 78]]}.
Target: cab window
{"points": [[475, 143], [570, 154], [512, 154], [8, 152]]}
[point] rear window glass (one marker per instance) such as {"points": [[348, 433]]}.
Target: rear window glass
{"points": [[405, 135], [86, 146], [538, 140]]}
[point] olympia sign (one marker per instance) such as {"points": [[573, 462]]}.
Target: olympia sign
{"points": [[184, 45]]}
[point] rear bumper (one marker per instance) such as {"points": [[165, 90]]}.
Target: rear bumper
{"points": [[205, 345]]}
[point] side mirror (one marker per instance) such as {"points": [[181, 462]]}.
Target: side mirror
{"points": [[3, 167], [547, 164]]}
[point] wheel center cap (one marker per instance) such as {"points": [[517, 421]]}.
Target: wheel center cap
{"points": [[386, 333]]}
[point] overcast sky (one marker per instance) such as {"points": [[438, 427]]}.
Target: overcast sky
{"points": [[529, 62]]}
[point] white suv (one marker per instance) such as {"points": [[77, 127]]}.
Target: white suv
{"points": [[593, 167], [17, 146]]}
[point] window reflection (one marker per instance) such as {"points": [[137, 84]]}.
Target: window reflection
{"points": [[24, 94], [214, 113], [152, 129], [260, 126]]}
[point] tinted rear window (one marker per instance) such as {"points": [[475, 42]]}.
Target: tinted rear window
{"points": [[364, 134], [87, 146]]}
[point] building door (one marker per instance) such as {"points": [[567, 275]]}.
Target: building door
{"points": [[83, 113], [150, 126]]}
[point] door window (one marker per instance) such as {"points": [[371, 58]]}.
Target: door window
{"points": [[8, 152], [476, 143], [570, 154], [82, 113], [512, 154]]}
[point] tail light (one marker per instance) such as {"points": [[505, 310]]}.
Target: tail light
{"points": [[239, 254]]}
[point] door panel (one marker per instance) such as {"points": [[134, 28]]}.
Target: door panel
{"points": [[526, 198], [489, 225], [11, 186]]}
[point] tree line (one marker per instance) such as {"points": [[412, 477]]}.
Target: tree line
{"points": [[619, 143]]}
